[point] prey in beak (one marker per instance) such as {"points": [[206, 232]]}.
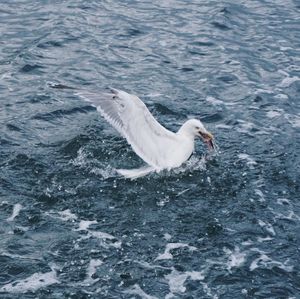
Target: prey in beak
{"points": [[208, 138]]}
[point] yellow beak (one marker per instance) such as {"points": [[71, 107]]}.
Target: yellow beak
{"points": [[209, 135], [206, 136], [208, 139]]}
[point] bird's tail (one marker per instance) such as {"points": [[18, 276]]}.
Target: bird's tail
{"points": [[135, 173]]}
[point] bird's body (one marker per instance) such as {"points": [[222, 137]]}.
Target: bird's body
{"points": [[157, 146]]}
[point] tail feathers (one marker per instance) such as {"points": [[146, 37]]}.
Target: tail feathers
{"points": [[135, 173]]}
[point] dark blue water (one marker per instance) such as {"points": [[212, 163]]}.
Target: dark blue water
{"points": [[225, 228]]}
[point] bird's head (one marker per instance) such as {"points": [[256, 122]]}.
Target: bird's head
{"points": [[195, 127]]}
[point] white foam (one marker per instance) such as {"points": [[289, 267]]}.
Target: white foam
{"points": [[249, 160], [235, 258], [48, 192], [208, 292], [273, 114], [286, 82], [177, 279], [247, 242], [283, 48], [71, 191], [247, 127], [105, 173], [167, 236], [267, 226], [282, 201], [263, 261], [91, 270], [214, 101], [169, 296], [149, 266], [163, 201], [84, 226], [260, 239], [154, 95], [102, 235], [182, 192], [294, 120], [94, 263], [31, 283], [137, 290], [290, 216], [16, 211], [194, 163], [218, 102], [281, 96], [6, 75], [260, 194], [67, 215], [85, 159], [261, 90], [170, 246], [81, 159], [223, 126]]}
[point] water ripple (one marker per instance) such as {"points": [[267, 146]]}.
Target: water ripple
{"points": [[223, 226]]}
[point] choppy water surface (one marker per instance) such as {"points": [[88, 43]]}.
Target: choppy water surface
{"points": [[225, 228]]}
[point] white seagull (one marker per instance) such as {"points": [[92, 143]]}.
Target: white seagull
{"points": [[157, 146]]}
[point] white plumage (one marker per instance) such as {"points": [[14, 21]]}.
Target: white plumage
{"points": [[157, 146]]}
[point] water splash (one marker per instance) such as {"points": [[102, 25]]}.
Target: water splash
{"points": [[16, 210]]}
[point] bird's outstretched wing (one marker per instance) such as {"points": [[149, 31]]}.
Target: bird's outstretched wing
{"points": [[130, 116]]}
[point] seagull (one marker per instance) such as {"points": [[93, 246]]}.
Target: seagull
{"points": [[157, 146]]}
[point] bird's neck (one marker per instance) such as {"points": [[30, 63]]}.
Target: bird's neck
{"points": [[184, 131], [187, 140]]}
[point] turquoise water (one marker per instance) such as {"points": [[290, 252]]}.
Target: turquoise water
{"points": [[227, 227]]}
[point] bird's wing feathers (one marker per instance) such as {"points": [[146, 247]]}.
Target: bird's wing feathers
{"points": [[130, 116]]}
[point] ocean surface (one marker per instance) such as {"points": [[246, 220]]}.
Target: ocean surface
{"points": [[224, 227]]}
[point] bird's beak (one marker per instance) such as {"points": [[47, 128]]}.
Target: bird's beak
{"points": [[208, 138]]}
